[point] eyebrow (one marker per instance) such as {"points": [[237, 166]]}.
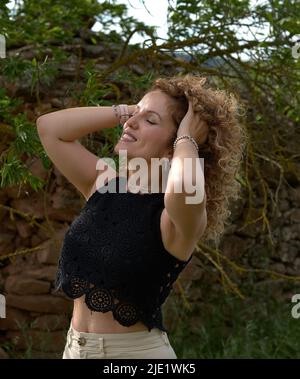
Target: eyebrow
{"points": [[149, 111]]}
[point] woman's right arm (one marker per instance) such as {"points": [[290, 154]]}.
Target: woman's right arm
{"points": [[59, 131]]}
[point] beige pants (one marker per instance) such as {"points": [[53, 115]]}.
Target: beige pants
{"points": [[134, 345]]}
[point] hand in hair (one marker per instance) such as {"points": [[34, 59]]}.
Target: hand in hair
{"points": [[193, 125]]}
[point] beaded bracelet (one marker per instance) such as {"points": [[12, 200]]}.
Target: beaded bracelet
{"points": [[121, 112], [114, 107], [124, 112], [185, 136]]}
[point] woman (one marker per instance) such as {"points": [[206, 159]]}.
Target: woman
{"points": [[124, 251]]}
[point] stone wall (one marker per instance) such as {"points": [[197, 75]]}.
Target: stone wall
{"points": [[27, 280], [37, 317]]}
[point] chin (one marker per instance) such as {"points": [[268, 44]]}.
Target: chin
{"points": [[119, 147]]}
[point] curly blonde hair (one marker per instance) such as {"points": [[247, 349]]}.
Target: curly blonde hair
{"points": [[223, 149]]}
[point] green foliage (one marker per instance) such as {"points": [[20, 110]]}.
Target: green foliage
{"points": [[44, 28], [40, 22], [243, 48], [229, 327], [266, 77], [25, 143], [7, 105], [25, 328]]}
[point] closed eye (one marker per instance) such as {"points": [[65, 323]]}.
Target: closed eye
{"points": [[152, 123]]}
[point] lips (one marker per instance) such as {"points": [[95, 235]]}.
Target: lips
{"points": [[128, 134]]}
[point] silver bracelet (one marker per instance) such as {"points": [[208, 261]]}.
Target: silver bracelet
{"points": [[185, 136]]}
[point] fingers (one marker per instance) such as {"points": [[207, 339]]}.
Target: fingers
{"points": [[190, 100], [190, 106]]}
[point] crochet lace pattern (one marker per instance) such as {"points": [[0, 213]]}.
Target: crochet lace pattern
{"points": [[113, 254]]}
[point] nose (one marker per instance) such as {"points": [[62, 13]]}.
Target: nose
{"points": [[131, 122]]}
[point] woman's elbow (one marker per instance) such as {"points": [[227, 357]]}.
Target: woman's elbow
{"points": [[43, 124], [40, 123]]}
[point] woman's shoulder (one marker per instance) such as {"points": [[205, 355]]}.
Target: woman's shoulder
{"points": [[100, 183]]}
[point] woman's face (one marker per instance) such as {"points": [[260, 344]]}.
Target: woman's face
{"points": [[152, 127]]}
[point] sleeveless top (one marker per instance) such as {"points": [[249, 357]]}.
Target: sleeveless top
{"points": [[113, 254]]}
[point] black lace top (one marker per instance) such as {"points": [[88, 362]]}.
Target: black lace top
{"points": [[114, 255]]}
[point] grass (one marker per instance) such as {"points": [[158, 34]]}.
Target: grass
{"points": [[10, 346], [235, 328]]}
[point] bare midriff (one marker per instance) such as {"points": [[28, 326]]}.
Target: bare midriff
{"points": [[83, 320]]}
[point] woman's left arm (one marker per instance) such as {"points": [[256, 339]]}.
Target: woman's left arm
{"points": [[185, 197]]}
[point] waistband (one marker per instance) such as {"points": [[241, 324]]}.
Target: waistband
{"points": [[154, 338]]}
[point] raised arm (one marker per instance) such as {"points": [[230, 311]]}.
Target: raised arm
{"points": [[59, 131]]}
